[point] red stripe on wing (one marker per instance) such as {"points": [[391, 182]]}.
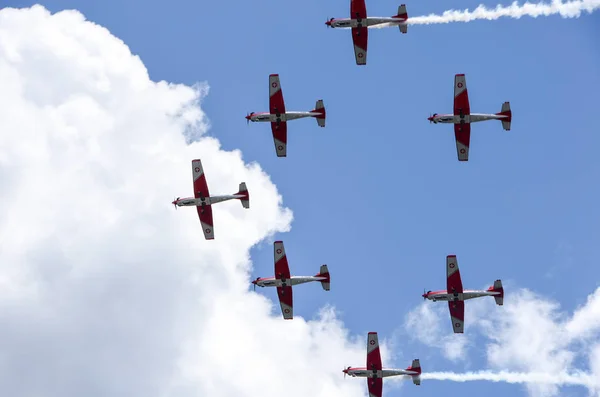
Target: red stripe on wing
{"points": [[358, 9], [461, 101], [454, 283], [285, 295], [457, 309], [282, 268], [360, 40], [205, 216], [375, 386], [201, 187]]}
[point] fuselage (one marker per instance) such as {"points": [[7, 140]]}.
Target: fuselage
{"points": [[383, 373], [465, 295], [293, 280], [287, 116], [468, 118], [195, 202], [364, 22]]}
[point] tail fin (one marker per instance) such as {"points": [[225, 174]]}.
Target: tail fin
{"points": [[402, 15], [415, 367], [324, 272], [505, 112], [497, 287], [320, 108], [244, 192]]}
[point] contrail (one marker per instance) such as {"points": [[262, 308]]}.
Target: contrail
{"points": [[574, 379], [571, 9]]}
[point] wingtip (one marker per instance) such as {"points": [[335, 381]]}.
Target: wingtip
{"points": [[460, 74], [274, 75], [278, 241], [451, 256]]}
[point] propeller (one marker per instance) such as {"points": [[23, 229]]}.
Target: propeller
{"points": [[424, 294], [346, 371], [175, 202], [255, 281]]}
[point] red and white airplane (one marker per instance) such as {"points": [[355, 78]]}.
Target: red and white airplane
{"points": [[375, 372], [359, 22], [278, 117], [284, 281], [462, 117], [204, 201], [456, 296]]}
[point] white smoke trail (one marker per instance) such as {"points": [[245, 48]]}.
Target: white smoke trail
{"points": [[571, 9], [574, 379]]}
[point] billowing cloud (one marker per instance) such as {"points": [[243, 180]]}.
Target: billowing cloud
{"points": [[529, 340], [105, 290]]}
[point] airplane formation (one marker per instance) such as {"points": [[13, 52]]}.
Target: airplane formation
{"points": [[282, 280]]}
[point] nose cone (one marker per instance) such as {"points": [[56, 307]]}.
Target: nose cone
{"points": [[254, 281], [345, 370], [248, 117], [425, 295], [174, 202], [328, 23], [430, 118]]}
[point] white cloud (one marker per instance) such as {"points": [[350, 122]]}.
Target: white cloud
{"points": [[105, 290], [531, 340], [429, 324]]}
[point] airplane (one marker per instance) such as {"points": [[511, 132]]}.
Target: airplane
{"points": [[455, 295], [203, 201], [359, 23], [375, 372], [462, 117], [284, 281], [278, 117]]}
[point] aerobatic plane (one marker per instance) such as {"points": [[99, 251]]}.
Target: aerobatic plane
{"points": [[203, 201], [284, 281], [359, 22], [456, 296], [462, 117], [375, 372], [278, 117]]}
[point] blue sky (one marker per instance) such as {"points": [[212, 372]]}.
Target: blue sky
{"points": [[378, 194]]}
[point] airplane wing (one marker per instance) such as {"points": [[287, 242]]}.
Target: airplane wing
{"points": [[462, 135], [360, 36], [201, 191], [454, 286], [277, 106], [374, 364], [282, 271], [457, 314], [462, 132], [453, 280]]}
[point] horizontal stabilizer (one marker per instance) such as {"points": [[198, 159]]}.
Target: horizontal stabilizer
{"points": [[508, 113], [324, 272], [320, 108], [244, 192], [416, 367], [402, 15], [498, 288]]}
